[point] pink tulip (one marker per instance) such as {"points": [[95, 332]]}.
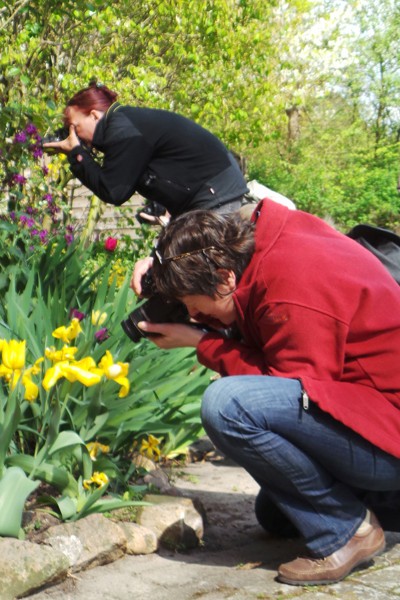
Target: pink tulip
{"points": [[110, 244]]}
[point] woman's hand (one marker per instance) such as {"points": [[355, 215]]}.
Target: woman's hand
{"points": [[173, 335], [141, 267], [64, 146]]}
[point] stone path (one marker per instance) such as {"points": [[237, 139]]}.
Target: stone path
{"points": [[237, 560]]}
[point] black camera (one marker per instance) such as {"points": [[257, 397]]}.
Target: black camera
{"points": [[155, 310], [151, 208], [58, 136]]}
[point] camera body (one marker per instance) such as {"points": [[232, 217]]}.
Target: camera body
{"points": [[58, 136], [155, 310], [151, 208]]}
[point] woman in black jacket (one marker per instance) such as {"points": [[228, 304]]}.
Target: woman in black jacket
{"points": [[164, 156]]}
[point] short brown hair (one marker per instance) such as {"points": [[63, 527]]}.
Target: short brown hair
{"points": [[218, 241]]}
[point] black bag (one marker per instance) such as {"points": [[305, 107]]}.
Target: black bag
{"points": [[383, 243]]}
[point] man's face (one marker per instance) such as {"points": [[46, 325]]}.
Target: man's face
{"points": [[219, 307], [84, 124]]}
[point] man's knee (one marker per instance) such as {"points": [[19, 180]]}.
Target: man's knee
{"points": [[214, 396]]}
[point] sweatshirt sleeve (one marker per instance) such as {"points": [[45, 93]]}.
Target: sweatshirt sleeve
{"points": [[126, 155], [292, 341], [229, 357]]}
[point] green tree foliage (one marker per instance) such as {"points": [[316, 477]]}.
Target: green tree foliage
{"points": [[306, 90]]}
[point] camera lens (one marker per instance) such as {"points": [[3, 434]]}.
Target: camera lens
{"points": [[132, 330], [60, 134], [154, 310]]}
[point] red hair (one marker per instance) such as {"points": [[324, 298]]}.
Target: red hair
{"points": [[94, 97]]}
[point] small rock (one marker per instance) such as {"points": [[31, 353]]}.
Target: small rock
{"points": [[102, 540], [176, 521], [143, 462], [25, 567], [139, 539], [70, 545], [158, 479]]}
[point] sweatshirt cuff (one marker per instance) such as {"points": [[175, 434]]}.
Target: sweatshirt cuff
{"points": [[72, 156]]}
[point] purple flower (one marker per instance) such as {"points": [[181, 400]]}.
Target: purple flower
{"points": [[30, 129], [70, 238], [101, 335], [37, 152], [12, 215], [45, 170], [17, 178], [76, 314], [30, 223], [34, 232], [20, 138], [43, 236], [23, 219]]}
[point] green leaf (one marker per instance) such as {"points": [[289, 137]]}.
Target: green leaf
{"points": [[66, 439], [45, 471], [15, 487]]}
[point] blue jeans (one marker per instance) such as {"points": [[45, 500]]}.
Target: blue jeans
{"points": [[312, 467]]}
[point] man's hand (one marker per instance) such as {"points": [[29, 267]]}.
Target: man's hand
{"points": [[66, 145], [173, 335], [141, 267]]}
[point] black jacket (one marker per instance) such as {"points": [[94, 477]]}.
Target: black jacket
{"points": [[163, 156]]}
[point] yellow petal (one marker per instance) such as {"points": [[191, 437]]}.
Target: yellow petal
{"points": [[53, 374], [107, 361], [13, 354], [61, 333], [74, 329], [98, 317], [31, 389], [73, 372], [124, 383]]}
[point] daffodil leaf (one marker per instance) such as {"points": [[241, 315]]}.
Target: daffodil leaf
{"points": [[15, 487], [66, 439], [66, 506], [44, 471]]}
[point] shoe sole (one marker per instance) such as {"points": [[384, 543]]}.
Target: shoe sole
{"points": [[360, 562]]}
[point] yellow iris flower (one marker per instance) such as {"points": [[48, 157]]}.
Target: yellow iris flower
{"points": [[13, 354], [95, 447], [31, 389], [13, 357], [67, 353], [116, 372], [66, 334], [98, 317], [83, 370], [150, 447], [99, 479]]}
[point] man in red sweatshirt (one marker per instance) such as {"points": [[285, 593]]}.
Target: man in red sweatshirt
{"points": [[309, 399]]}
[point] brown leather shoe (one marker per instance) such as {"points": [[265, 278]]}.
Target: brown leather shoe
{"points": [[368, 541]]}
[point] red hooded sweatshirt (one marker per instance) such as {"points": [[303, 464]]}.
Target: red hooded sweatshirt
{"points": [[315, 305]]}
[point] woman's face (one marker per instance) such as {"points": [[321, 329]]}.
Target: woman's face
{"points": [[221, 306], [84, 124]]}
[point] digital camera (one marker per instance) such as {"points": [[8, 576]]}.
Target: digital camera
{"points": [[151, 208], [155, 310], [60, 134]]}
